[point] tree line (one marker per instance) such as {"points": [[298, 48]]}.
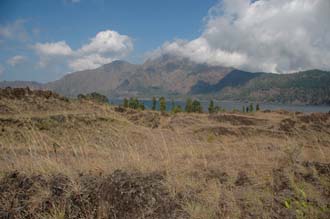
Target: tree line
{"points": [[191, 106]]}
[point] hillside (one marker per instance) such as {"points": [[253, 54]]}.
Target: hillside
{"points": [[309, 87], [69, 158]]}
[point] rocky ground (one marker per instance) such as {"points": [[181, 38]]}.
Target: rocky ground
{"points": [[64, 158]]}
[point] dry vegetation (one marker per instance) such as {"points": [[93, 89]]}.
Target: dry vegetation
{"points": [[64, 158]]}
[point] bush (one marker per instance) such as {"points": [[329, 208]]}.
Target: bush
{"points": [[141, 106], [177, 109], [251, 108], [94, 97], [125, 102], [162, 104], [197, 107], [133, 103], [189, 107], [154, 103], [211, 107]]}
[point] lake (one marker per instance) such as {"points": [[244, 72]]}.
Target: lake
{"points": [[231, 105]]}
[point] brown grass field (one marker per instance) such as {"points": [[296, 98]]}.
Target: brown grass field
{"points": [[63, 158]]}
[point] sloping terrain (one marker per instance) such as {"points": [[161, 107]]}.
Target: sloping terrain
{"points": [[65, 158]]}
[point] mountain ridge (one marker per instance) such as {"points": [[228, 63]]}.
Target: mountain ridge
{"points": [[177, 77]]}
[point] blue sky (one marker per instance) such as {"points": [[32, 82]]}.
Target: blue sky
{"points": [[42, 40], [148, 22]]}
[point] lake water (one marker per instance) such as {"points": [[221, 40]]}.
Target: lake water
{"points": [[231, 105]]}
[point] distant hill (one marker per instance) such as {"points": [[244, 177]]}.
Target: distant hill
{"points": [[16, 84], [176, 77]]}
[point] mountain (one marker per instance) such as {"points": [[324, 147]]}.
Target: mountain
{"points": [[177, 77], [307, 87], [235, 78], [167, 75], [104, 79]]}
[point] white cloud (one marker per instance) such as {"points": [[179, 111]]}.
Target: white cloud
{"points": [[89, 62], [53, 49], [264, 35], [108, 42], [15, 60], [105, 47], [14, 31]]}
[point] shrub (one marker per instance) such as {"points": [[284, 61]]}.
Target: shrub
{"points": [[94, 97], [162, 104], [141, 106], [125, 102], [197, 107], [211, 107], [251, 108], [177, 109], [133, 103], [154, 103], [189, 107]]}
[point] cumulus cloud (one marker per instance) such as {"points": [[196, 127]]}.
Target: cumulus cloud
{"points": [[108, 42], [105, 47], [53, 49], [265, 35], [15, 60]]}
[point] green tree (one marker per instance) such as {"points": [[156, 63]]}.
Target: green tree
{"points": [[162, 104], [133, 103], [188, 107], [211, 107], [172, 104], [141, 106], [197, 107], [81, 96], [243, 109], [257, 107], [96, 97], [125, 102], [251, 108], [154, 103], [177, 109]]}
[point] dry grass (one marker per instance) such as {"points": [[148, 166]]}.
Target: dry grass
{"points": [[201, 156]]}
